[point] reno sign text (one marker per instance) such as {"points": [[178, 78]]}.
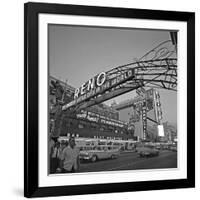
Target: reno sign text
{"points": [[98, 85]]}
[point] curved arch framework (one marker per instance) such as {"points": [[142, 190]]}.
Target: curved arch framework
{"points": [[156, 69]]}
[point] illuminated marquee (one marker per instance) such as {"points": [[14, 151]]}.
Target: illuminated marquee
{"points": [[95, 82], [98, 85], [100, 119]]}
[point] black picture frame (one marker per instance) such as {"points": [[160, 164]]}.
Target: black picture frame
{"points": [[31, 12]]}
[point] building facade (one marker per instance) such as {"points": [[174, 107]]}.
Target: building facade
{"points": [[98, 121]]}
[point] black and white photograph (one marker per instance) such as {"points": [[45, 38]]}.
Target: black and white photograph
{"points": [[100, 100], [109, 100], [112, 99]]}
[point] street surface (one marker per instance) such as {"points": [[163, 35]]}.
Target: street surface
{"points": [[131, 161]]}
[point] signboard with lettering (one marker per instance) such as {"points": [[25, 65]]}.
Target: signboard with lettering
{"points": [[98, 85], [158, 109], [144, 119], [100, 119], [161, 132]]}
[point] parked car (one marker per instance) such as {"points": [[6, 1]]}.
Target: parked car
{"points": [[165, 147], [99, 152], [158, 147], [173, 148], [148, 151]]}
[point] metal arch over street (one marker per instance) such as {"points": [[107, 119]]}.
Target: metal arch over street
{"points": [[156, 69]]}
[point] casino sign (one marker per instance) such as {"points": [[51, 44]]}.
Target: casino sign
{"points": [[98, 85]]}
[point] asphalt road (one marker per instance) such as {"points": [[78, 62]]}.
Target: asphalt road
{"points": [[131, 161]]}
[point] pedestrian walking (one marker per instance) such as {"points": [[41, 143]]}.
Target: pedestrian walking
{"points": [[70, 157]]}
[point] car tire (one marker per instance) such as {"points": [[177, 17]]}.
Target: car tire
{"points": [[94, 158], [112, 156]]}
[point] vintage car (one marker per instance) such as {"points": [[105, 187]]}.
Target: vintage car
{"points": [[173, 148], [147, 151], [98, 153]]}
